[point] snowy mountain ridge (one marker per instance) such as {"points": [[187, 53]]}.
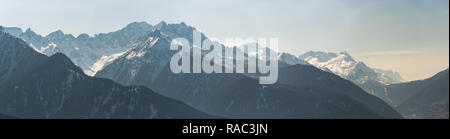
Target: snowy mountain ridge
{"points": [[86, 51], [145, 58], [344, 65]]}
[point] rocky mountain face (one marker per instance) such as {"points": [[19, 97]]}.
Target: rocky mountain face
{"points": [[142, 63], [16, 58]]}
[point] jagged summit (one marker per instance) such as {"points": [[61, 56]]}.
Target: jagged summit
{"points": [[178, 30], [136, 26], [86, 51], [321, 56], [150, 39], [83, 36], [11, 42], [156, 33], [57, 33], [161, 24], [29, 31], [152, 53]]}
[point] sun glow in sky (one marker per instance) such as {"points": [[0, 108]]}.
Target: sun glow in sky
{"points": [[408, 36]]}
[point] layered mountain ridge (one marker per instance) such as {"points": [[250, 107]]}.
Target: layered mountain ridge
{"points": [[54, 87], [233, 95]]}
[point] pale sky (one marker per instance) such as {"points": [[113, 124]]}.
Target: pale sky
{"points": [[408, 36]]}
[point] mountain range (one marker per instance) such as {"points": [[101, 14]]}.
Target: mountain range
{"points": [[56, 88], [53, 87], [87, 52], [130, 63], [94, 53], [147, 64]]}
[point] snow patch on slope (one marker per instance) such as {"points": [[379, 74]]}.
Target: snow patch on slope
{"points": [[104, 61]]}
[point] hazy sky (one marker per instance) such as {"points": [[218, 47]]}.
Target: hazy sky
{"points": [[409, 36]]}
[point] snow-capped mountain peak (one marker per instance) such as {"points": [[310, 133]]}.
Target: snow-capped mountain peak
{"points": [[84, 50], [148, 42], [148, 55], [161, 24], [344, 65], [291, 59], [320, 56], [29, 31], [56, 35]]}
